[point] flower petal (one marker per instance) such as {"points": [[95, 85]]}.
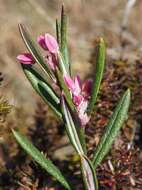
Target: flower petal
{"points": [[77, 99], [86, 88], [51, 43], [84, 119], [77, 83], [69, 82], [26, 58], [41, 41], [51, 61], [82, 107]]}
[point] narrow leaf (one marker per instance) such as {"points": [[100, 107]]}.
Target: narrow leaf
{"points": [[31, 46], [43, 88], [70, 128], [89, 174], [100, 62], [40, 158], [64, 47], [63, 29], [112, 129], [81, 135], [80, 130], [62, 64], [58, 32]]}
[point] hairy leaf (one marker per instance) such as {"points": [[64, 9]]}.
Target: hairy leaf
{"points": [[100, 62], [40, 158], [112, 129]]}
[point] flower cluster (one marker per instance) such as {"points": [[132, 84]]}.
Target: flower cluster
{"points": [[80, 93], [48, 43]]}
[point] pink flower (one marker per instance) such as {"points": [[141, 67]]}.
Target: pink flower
{"points": [[84, 118], [81, 94], [77, 99], [49, 43], [41, 41], [86, 88], [77, 88], [73, 85], [51, 60], [26, 58]]}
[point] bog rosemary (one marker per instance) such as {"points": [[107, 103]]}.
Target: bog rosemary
{"points": [[70, 98]]}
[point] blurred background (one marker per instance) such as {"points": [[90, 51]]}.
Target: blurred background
{"points": [[87, 19], [121, 26]]}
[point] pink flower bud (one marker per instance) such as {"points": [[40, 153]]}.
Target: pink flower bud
{"points": [[73, 85], [51, 62], [41, 41], [80, 94], [48, 42], [51, 44], [70, 83], [26, 58]]}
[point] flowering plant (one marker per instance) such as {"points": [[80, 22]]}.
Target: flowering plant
{"points": [[72, 100]]}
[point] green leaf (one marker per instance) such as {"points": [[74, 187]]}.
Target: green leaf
{"points": [[40, 159], [100, 62], [112, 129], [58, 32], [63, 30], [64, 47], [62, 65], [43, 88], [70, 127], [80, 130], [89, 174], [31, 46], [81, 134]]}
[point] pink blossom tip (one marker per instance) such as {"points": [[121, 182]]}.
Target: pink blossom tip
{"points": [[26, 58], [41, 41], [80, 94], [69, 82], [51, 44], [52, 61]]}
